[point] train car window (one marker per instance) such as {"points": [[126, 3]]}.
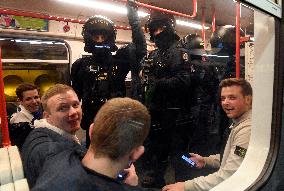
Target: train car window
{"points": [[264, 76], [20, 48], [42, 62]]}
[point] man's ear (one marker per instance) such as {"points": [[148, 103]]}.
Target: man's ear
{"points": [[19, 101], [91, 130], [248, 100], [45, 115], [136, 153]]}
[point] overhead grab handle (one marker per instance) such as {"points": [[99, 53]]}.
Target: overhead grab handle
{"points": [[154, 8]]}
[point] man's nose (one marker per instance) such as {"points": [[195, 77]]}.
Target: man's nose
{"points": [[101, 38], [225, 101], [72, 111], [34, 100]]}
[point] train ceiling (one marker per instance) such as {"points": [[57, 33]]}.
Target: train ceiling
{"points": [[224, 11]]}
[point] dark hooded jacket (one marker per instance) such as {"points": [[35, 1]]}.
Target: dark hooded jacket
{"points": [[42, 144]]}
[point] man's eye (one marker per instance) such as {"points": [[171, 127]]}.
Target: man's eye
{"points": [[232, 98], [76, 105], [63, 108]]}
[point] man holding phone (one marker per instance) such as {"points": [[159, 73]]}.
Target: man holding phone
{"points": [[236, 101], [117, 135]]}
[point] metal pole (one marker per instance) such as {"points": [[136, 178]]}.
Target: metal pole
{"points": [[3, 113], [213, 19], [154, 8], [238, 39], [203, 26]]}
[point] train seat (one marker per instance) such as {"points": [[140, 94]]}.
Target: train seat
{"points": [[5, 167], [11, 170], [16, 163]]}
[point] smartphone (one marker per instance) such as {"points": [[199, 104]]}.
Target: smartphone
{"points": [[122, 175], [186, 158]]}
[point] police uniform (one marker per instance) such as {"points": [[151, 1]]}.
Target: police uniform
{"points": [[167, 71], [101, 76], [204, 104], [233, 156]]}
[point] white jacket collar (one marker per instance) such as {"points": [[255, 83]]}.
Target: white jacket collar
{"points": [[42, 123], [26, 112]]}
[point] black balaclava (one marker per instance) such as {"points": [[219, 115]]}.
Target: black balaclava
{"points": [[164, 39], [168, 36], [101, 50]]}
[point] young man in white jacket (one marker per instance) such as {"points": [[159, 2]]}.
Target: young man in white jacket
{"points": [[236, 101], [28, 97], [21, 122]]}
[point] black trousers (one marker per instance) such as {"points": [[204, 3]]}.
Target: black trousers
{"points": [[90, 109], [166, 143]]}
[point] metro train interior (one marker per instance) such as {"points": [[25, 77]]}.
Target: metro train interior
{"points": [[40, 40]]}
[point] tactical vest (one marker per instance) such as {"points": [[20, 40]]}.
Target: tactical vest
{"points": [[97, 78], [163, 66]]}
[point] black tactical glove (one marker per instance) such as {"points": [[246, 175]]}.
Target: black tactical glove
{"points": [[132, 12], [132, 3]]}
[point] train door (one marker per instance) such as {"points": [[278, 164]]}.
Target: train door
{"points": [[266, 58]]}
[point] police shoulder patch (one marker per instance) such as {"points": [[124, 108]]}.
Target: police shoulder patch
{"points": [[240, 151], [185, 56]]}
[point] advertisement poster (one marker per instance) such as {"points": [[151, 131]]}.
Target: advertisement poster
{"points": [[20, 22]]}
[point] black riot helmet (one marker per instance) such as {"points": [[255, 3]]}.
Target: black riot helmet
{"points": [[223, 40], [99, 25], [195, 45], [193, 41], [161, 20]]}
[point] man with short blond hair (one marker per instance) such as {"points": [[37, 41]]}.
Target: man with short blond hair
{"points": [[55, 132], [117, 135]]}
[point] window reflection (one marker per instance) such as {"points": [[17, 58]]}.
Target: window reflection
{"points": [[18, 48], [37, 61]]}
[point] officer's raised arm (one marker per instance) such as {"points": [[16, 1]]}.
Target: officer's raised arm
{"points": [[138, 37]]}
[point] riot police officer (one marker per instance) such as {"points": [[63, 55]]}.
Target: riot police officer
{"points": [[101, 76], [223, 42], [167, 88], [204, 105]]}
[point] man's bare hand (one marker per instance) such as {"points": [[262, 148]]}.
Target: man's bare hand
{"points": [[132, 178], [179, 186], [199, 160]]}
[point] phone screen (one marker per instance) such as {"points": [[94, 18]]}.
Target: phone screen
{"points": [[188, 160], [122, 175]]}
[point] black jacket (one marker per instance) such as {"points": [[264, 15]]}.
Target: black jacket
{"points": [[97, 78], [66, 172], [41, 144], [169, 78]]}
